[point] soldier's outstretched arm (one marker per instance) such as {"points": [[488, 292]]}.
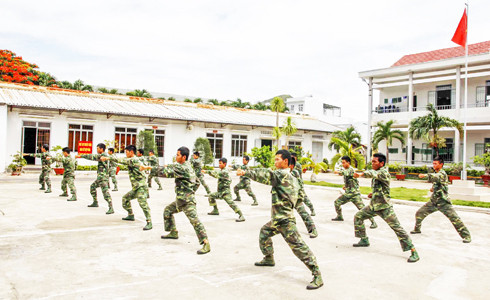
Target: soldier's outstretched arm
{"points": [[382, 176], [212, 173], [435, 177], [89, 156], [168, 171], [261, 175]]}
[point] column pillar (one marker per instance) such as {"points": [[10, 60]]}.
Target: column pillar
{"points": [[410, 110], [4, 159], [456, 157], [370, 111], [456, 146]]}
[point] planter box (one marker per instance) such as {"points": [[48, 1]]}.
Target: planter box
{"points": [[400, 176], [451, 178], [59, 171], [485, 179], [17, 171], [117, 170]]}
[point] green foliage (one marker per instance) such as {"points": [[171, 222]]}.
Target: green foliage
{"points": [[346, 149], [146, 141], [46, 79], [79, 85], [171, 98], [350, 135], [58, 154], [395, 167], [187, 100], [325, 161], [386, 132], [264, 156], [208, 168], [140, 93], [18, 161], [107, 91], [308, 163], [484, 159], [203, 146], [87, 168], [298, 150]]}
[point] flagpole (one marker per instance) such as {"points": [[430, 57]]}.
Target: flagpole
{"points": [[464, 174]]}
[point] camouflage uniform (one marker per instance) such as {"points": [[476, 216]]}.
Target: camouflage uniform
{"points": [[197, 166], [244, 184], [284, 192], [45, 169], [138, 184], [70, 165], [306, 200], [185, 181], [300, 207], [102, 180], [352, 193], [153, 162], [439, 201], [112, 171], [224, 190], [381, 205]]}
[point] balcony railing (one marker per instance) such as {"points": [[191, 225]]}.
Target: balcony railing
{"points": [[393, 109], [478, 104]]}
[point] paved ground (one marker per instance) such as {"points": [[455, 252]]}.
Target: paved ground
{"points": [[53, 249]]}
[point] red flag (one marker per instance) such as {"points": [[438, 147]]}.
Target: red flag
{"points": [[461, 32]]}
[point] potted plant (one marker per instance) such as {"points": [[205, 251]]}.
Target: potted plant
{"points": [[484, 160], [398, 169], [17, 164], [308, 163], [58, 169], [454, 171]]}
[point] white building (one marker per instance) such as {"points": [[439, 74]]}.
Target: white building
{"points": [[437, 77], [31, 116]]}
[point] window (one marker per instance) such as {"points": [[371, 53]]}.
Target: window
{"points": [[300, 107], [292, 144], [238, 145], [292, 107], [77, 133], [392, 150], [487, 84], [216, 141], [124, 137], [159, 141]]}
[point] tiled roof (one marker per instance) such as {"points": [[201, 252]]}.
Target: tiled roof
{"points": [[473, 49]]}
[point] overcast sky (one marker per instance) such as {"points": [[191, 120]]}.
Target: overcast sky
{"points": [[252, 50]]}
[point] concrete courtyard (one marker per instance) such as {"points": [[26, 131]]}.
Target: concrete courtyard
{"points": [[54, 249]]}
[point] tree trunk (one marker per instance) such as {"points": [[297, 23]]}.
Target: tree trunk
{"points": [[277, 125], [387, 153]]}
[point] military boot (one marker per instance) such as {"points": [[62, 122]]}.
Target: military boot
{"points": [[255, 203], [174, 234], [373, 225], [267, 261], [148, 226], [48, 190], [317, 282], [73, 198], [115, 189], [237, 199], [110, 211], [160, 188], [64, 194], [467, 239], [416, 230], [206, 248], [128, 218], [363, 242], [241, 218], [313, 233], [214, 212], [313, 214], [42, 187], [414, 257], [94, 204], [338, 218]]}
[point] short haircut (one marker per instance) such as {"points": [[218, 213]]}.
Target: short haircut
{"points": [[224, 160], [439, 159], [45, 146], [346, 158], [293, 154], [151, 151], [101, 146], [293, 161], [130, 148], [196, 153], [246, 157], [184, 151], [142, 151], [66, 149], [285, 154], [111, 149], [381, 157]]}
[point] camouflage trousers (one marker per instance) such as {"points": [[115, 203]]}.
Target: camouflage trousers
{"points": [[190, 211], [387, 214], [70, 181], [308, 203], [244, 185], [112, 175], [199, 181], [44, 177], [104, 186], [288, 230], [225, 196], [346, 198], [448, 211], [300, 208], [140, 194], [157, 180]]}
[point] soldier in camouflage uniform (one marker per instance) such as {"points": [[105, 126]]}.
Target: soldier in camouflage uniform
{"points": [[102, 180], [381, 205], [185, 181], [284, 192], [140, 155], [112, 169], [224, 190], [46, 167], [70, 165], [153, 162], [300, 207], [245, 183], [138, 185], [197, 166], [439, 201], [352, 192], [306, 200]]}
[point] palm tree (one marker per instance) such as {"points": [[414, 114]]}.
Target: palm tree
{"points": [[80, 86], [107, 91], [171, 98], [346, 149], [385, 132], [46, 79], [213, 101], [259, 106], [277, 105], [65, 85], [422, 127], [197, 100], [289, 128], [350, 135], [225, 103], [140, 93]]}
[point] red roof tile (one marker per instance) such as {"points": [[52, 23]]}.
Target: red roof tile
{"points": [[441, 54]]}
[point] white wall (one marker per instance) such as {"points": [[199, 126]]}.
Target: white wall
{"points": [[4, 159]]}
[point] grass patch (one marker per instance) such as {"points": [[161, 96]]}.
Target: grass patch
{"points": [[403, 193]]}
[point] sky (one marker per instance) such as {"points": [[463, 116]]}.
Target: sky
{"points": [[252, 50]]}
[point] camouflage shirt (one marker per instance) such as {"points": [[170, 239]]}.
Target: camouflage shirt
{"points": [[244, 178], [381, 188], [185, 180], [137, 177], [197, 165], [440, 187], [112, 164], [69, 164], [224, 180], [102, 166], [46, 164], [142, 159], [296, 174], [298, 167], [350, 182], [284, 191], [152, 161]]}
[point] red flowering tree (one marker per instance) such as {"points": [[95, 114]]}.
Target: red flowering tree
{"points": [[14, 69]]}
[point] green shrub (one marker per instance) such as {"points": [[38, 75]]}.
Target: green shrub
{"points": [[146, 141], [203, 146], [264, 156], [207, 168]]}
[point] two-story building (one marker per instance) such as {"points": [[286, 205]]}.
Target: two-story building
{"points": [[435, 77]]}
